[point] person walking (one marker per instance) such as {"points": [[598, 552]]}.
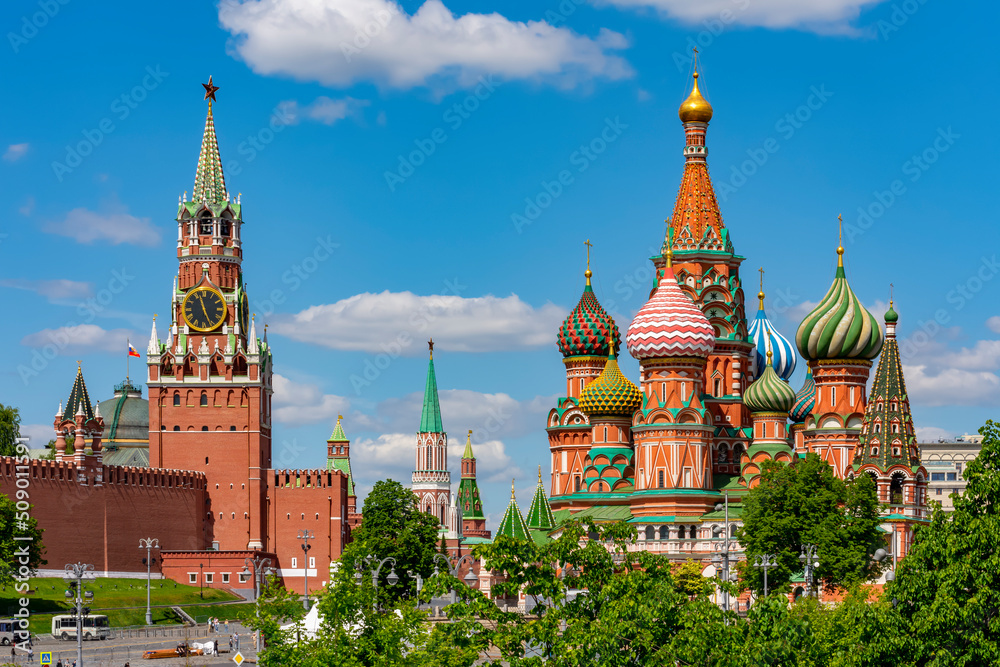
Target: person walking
{"points": [[230, 643]]}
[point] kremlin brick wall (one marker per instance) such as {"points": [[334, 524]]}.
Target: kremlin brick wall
{"points": [[102, 523]]}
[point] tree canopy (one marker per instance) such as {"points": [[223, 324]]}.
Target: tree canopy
{"points": [[10, 429], [804, 503]]}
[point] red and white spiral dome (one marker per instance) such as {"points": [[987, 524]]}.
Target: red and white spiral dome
{"points": [[669, 325]]}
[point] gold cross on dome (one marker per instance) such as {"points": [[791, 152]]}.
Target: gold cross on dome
{"points": [[761, 269], [589, 246]]}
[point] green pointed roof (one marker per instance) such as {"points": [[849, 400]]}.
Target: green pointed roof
{"points": [[209, 183], [430, 418], [540, 513], [343, 465], [888, 410], [512, 525], [467, 454], [78, 396], [338, 434]]}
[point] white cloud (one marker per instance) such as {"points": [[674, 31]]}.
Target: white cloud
{"points": [[951, 386], [112, 225], [51, 289], [393, 455], [15, 152], [40, 434], [300, 403], [490, 416], [341, 42], [824, 16], [933, 434], [80, 337], [993, 324], [794, 314], [399, 322], [323, 109]]}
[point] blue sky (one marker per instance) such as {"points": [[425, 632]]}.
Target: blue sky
{"points": [[412, 149]]}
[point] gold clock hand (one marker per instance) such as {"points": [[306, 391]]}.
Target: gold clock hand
{"points": [[201, 299]]}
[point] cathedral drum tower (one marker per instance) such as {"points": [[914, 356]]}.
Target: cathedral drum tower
{"points": [[210, 379]]}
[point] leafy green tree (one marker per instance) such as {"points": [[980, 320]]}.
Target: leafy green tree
{"points": [[22, 557], [10, 430], [393, 527], [690, 581], [948, 586], [804, 503]]}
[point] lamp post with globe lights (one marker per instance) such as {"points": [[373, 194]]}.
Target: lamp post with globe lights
{"points": [[76, 575], [810, 561], [148, 543], [764, 562], [258, 567]]}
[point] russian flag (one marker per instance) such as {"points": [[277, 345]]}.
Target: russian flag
{"points": [[132, 351]]}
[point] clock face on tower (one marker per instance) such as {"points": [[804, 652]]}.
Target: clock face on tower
{"points": [[204, 309]]}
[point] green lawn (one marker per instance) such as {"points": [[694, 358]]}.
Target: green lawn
{"points": [[47, 598], [200, 613]]}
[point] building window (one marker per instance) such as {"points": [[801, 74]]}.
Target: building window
{"points": [[650, 533], [204, 399], [937, 476], [952, 477], [295, 563], [177, 399], [204, 428], [681, 533], [177, 428], [192, 577], [576, 483], [659, 479], [208, 577], [937, 492], [225, 577], [664, 532], [833, 395], [312, 561]]}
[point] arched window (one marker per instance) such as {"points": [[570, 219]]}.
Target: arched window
{"points": [[576, 483], [605, 434], [225, 227], [874, 451], [717, 387], [232, 428], [177, 428], [664, 532], [693, 532], [878, 428], [204, 399], [650, 533], [659, 479], [681, 533], [177, 399], [723, 453], [732, 530], [204, 428], [205, 224]]}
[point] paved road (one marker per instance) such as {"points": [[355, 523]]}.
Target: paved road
{"points": [[116, 652]]}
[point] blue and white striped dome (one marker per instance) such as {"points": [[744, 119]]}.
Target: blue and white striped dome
{"points": [[765, 337]]}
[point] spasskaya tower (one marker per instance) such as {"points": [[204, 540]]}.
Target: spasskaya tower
{"points": [[210, 379]]}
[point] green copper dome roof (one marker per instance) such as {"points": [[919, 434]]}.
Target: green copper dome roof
{"points": [[588, 328], [769, 393], [126, 416], [611, 393], [839, 327], [891, 316]]}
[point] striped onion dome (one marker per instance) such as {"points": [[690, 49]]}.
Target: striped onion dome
{"points": [[839, 327], [611, 394], [805, 399], [669, 324], [588, 328], [769, 393], [767, 339]]}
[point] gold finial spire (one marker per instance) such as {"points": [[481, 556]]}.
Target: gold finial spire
{"points": [[154, 316], [539, 475], [695, 108], [840, 241], [890, 295], [512, 490], [588, 272], [670, 256], [760, 294], [430, 345]]}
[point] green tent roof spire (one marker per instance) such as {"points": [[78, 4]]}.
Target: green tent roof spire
{"points": [[78, 397], [209, 183], [513, 525], [430, 418], [540, 513], [338, 434], [467, 454]]}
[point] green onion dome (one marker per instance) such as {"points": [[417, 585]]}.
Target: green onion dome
{"points": [[839, 327], [805, 399], [587, 329], [611, 394], [891, 316], [769, 393]]}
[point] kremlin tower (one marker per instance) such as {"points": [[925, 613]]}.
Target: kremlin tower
{"points": [[431, 479]]}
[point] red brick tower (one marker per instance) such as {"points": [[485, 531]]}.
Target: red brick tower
{"points": [[708, 269], [839, 338], [210, 380], [85, 425]]}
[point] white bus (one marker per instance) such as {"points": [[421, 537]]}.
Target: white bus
{"points": [[95, 626], [8, 627]]}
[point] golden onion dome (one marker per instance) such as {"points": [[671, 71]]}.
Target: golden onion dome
{"points": [[695, 107]]}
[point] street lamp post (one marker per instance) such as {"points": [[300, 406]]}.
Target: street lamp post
{"points": [[368, 560], [764, 562], [470, 578], [201, 580], [723, 559], [305, 536], [75, 575], [260, 567], [148, 543], [810, 561]]}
